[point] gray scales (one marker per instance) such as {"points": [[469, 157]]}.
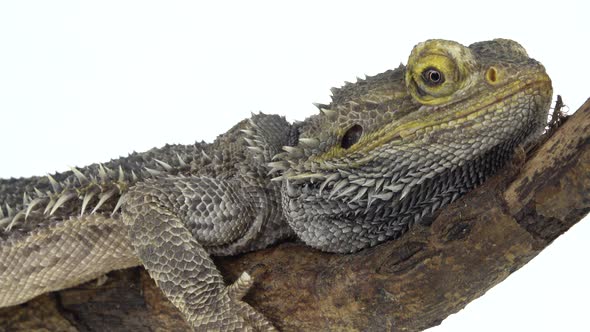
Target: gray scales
{"points": [[385, 154]]}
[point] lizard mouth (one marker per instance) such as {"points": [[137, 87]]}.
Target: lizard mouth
{"points": [[542, 87]]}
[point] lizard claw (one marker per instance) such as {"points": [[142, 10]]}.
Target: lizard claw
{"points": [[240, 287]]}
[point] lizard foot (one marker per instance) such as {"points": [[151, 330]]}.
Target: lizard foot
{"points": [[227, 312], [252, 318]]}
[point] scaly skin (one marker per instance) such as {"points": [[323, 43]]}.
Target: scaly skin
{"points": [[385, 154]]}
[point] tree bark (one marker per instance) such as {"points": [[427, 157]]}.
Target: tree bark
{"points": [[405, 285]]}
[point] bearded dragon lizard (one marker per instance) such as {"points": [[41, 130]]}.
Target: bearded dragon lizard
{"points": [[388, 151]]}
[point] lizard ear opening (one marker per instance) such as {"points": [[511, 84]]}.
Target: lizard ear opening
{"points": [[352, 136]]}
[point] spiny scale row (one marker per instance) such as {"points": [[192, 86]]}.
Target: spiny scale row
{"points": [[254, 141], [366, 189], [107, 184]]}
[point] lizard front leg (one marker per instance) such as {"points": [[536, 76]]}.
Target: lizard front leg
{"points": [[174, 223]]}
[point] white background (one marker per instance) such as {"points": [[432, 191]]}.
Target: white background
{"points": [[83, 82]]}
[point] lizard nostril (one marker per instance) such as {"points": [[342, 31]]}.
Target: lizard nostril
{"points": [[351, 136]]}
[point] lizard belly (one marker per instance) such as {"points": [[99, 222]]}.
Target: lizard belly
{"points": [[62, 255]]}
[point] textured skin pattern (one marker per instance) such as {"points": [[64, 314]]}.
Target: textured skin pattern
{"points": [[175, 255], [386, 153], [422, 146], [61, 255]]}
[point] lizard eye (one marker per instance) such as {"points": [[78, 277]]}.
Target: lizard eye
{"points": [[351, 136], [432, 77], [437, 69]]}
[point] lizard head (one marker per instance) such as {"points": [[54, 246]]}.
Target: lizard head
{"points": [[391, 149]]}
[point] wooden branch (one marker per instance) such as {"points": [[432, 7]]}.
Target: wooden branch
{"points": [[405, 285]]}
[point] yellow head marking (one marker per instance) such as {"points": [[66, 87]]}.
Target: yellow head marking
{"points": [[437, 69]]}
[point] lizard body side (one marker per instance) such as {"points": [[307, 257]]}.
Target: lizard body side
{"points": [[385, 154]]}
